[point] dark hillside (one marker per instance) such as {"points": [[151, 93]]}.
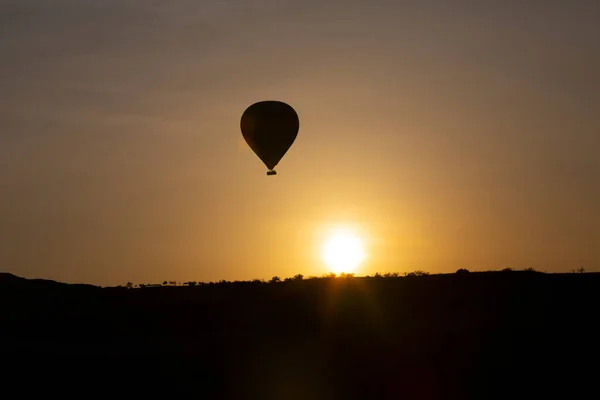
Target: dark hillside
{"points": [[472, 335]]}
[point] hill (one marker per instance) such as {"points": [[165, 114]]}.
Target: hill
{"points": [[468, 335]]}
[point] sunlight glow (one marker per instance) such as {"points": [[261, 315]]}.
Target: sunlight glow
{"points": [[343, 251]]}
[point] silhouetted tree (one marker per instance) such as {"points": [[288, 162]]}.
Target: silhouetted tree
{"points": [[275, 279], [330, 275], [463, 271], [416, 273]]}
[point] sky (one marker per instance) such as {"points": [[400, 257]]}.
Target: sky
{"points": [[448, 135]]}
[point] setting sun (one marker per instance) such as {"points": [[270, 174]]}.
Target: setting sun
{"points": [[343, 251]]}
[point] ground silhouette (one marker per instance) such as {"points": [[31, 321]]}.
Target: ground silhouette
{"points": [[480, 335]]}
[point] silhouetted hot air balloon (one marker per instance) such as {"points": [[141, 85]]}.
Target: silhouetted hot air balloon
{"points": [[270, 127]]}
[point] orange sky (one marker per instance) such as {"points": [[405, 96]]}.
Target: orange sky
{"points": [[459, 135]]}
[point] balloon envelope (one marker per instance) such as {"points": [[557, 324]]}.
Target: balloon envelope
{"points": [[270, 128]]}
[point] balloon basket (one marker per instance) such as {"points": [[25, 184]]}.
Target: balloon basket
{"points": [[271, 172]]}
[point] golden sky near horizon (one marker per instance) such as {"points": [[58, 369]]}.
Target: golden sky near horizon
{"points": [[447, 134]]}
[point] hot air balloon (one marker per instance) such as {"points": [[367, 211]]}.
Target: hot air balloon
{"points": [[270, 128]]}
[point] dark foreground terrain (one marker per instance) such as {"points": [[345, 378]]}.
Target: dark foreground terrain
{"points": [[465, 335]]}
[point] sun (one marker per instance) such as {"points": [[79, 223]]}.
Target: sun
{"points": [[343, 251]]}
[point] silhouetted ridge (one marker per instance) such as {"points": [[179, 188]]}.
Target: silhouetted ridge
{"points": [[461, 335]]}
